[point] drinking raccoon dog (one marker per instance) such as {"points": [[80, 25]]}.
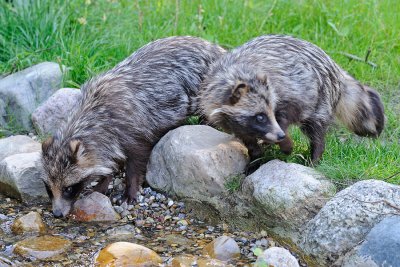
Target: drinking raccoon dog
{"points": [[122, 114], [257, 90]]}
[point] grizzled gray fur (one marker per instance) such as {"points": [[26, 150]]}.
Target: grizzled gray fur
{"points": [[257, 90], [123, 113]]}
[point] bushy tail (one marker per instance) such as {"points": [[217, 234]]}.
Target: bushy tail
{"points": [[360, 108]]}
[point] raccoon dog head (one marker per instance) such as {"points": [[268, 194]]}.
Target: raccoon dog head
{"points": [[370, 118], [68, 168], [247, 108]]}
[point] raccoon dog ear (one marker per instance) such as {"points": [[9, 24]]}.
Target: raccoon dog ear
{"points": [[46, 144], [239, 90], [76, 148], [262, 77]]}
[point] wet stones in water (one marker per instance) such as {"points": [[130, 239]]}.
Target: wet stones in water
{"points": [[94, 207], [178, 239], [223, 248], [43, 247], [189, 260], [3, 217], [127, 254], [277, 257], [124, 232], [29, 223]]}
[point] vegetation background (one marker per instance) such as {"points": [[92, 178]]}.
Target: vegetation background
{"points": [[92, 36]]}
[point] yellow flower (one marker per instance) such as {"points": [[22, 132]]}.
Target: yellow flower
{"points": [[82, 21]]}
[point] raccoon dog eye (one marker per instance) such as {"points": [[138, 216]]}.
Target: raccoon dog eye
{"points": [[261, 118], [72, 191], [68, 190]]}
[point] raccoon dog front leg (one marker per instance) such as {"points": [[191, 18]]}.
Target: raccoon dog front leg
{"points": [[286, 145], [102, 186], [133, 179], [315, 131], [253, 147]]}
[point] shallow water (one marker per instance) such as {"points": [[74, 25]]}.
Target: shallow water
{"points": [[167, 238]]}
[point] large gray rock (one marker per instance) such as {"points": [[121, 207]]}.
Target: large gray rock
{"points": [[54, 112], [381, 246], [347, 218], [195, 162], [20, 177], [22, 92], [287, 194], [18, 144]]}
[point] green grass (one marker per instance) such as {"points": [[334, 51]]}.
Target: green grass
{"points": [[234, 182], [92, 36]]}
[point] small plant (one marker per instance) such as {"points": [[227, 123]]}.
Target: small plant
{"points": [[234, 182], [193, 120], [261, 262]]}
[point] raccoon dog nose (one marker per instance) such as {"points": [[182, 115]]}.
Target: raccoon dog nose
{"points": [[57, 213], [281, 136]]}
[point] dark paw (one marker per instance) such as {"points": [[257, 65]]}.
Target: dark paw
{"points": [[130, 200], [102, 185], [253, 166], [286, 146], [255, 154]]}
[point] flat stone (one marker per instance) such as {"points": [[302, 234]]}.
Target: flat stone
{"points": [[18, 144], [184, 261], [178, 239], [124, 232], [222, 248], [347, 218], [289, 194], [21, 177], [94, 207], [29, 223], [127, 254], [190, 260], [204, 262], [22, 92], [51, 115], [42, 247], [277, 257]]}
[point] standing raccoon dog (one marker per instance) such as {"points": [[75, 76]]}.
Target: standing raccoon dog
{"points": [[257, 90], [122, 114]]}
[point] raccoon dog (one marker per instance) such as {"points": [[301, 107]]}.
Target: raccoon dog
{"points": [[122, 114], [260, 88]]}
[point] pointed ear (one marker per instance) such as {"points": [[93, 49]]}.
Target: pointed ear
{"points": [[262, 77], [46, 144], [239, 90], [77, 149]]}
